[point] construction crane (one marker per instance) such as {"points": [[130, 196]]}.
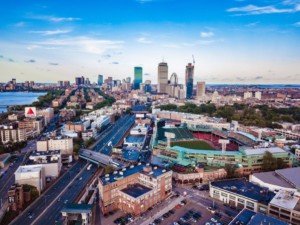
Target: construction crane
{"points": [[193, 59]]}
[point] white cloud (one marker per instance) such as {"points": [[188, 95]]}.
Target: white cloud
{"points": [[83, 44], [143, 40], [50, 32], [252, 24], [55, 19], [297, 24], [20, 24], [144, 1], [31, 47], [207, 34], [257, 10]]}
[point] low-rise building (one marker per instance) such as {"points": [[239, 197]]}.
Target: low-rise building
{"points": [[134, 189], [4, 159], [286, 206], [77, 214], [241, 194], [15, 196], [285, 179], [50, 161], [31, 174], [62, 143]]}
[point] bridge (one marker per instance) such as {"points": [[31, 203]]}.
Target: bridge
{"points": [[95, 157]]}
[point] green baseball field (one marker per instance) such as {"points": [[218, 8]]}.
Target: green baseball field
{"points": [[200, 145]]}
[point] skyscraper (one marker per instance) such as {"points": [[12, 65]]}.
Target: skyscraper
{"points": [[162, 78], [79, 80], [189, 79], [200, 89], [100, 80], [138, 77]]}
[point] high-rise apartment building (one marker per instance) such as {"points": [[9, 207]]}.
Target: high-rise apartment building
{"points": [[189, 80], [200, 89], [79, 80], [100, 80], [258, 95], [138, 77], [162, 77]]}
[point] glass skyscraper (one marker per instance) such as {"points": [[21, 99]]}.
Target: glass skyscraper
{"points": [[138, 77], [100, 80], [189, 79]]}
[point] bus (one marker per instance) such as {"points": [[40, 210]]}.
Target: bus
{"points": [[89, 167]]}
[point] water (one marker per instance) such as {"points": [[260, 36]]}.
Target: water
{"points": [[17, 98]]}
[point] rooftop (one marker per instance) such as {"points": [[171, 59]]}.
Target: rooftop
{"points": [[272, 178], [286, 199], [261, 151], [250, 136], [125, 172], [29, 169], [45, 153], [136, 190], [244, 188], [291, 175], [248, 217], [77, 208], [135, 138], [213, 152]]}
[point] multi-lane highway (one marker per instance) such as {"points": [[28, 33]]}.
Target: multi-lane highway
{"points": [[46, 209], [8, 178], [114, 134]]}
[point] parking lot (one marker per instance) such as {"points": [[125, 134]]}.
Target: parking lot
{"points": [[188, 212]]}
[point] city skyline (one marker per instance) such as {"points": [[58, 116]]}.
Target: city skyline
{"points": [[237, 41]]}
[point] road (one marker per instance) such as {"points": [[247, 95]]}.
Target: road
{"points": [[8, 178], [114, 134], [46, 209]]}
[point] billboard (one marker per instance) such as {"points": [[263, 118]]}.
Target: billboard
{"points": [[30, 112]]}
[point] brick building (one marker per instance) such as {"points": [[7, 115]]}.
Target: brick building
{"points": [[134, 189]]}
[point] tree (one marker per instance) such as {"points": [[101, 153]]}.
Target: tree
{"points": [[128, 110], [76, 149], [230, 170], [109, 169], [269, 162]]}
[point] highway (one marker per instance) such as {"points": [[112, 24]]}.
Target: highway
{"points": [[8, 178], [114, 134], [46, 209]]}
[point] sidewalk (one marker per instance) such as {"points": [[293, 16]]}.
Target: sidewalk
{"points": [[3, 210]]}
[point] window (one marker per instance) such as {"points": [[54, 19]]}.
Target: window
{"points": [[241, 200], [284, 211], [232, 197]]}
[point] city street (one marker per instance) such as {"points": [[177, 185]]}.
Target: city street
{"points": [[46, 209]]}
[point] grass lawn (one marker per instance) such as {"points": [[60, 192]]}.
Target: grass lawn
{"points": [[201, 145]]}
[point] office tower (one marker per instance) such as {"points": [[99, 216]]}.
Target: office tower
{"points": [[128, 79], [66, 83], [162, 78], [248, 94], [26, 84], [147, 87], [118, 83], [138, 77], [189, 79], [60, 83], [14, 81], [31, 83], [100, 80], [258, 95], [77, 80], [87, 81], [200, 89]]}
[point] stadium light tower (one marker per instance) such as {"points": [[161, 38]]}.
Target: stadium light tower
{"points": [[223, 142], [169, 135]]}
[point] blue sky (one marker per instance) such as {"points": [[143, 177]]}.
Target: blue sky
{"points": [[233, 41]]}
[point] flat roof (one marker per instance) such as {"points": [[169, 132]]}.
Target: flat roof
{"points": [[29, 169], [215, 152], [285, 199], [261, 151], [77, 208], [272, 178], [250, 136], [136, 190], [291, 175], [45, 153], [130, 154], [117, 175], [248, 217], [245, 188], [135, 138]]}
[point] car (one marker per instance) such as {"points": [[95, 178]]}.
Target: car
{"points": [[214, 220], [211, 209], [175, 223], [178, 206], [172, 211], [66, 201]]}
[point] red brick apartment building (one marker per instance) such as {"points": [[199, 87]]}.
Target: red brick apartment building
{"points": [[134, 189]]}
